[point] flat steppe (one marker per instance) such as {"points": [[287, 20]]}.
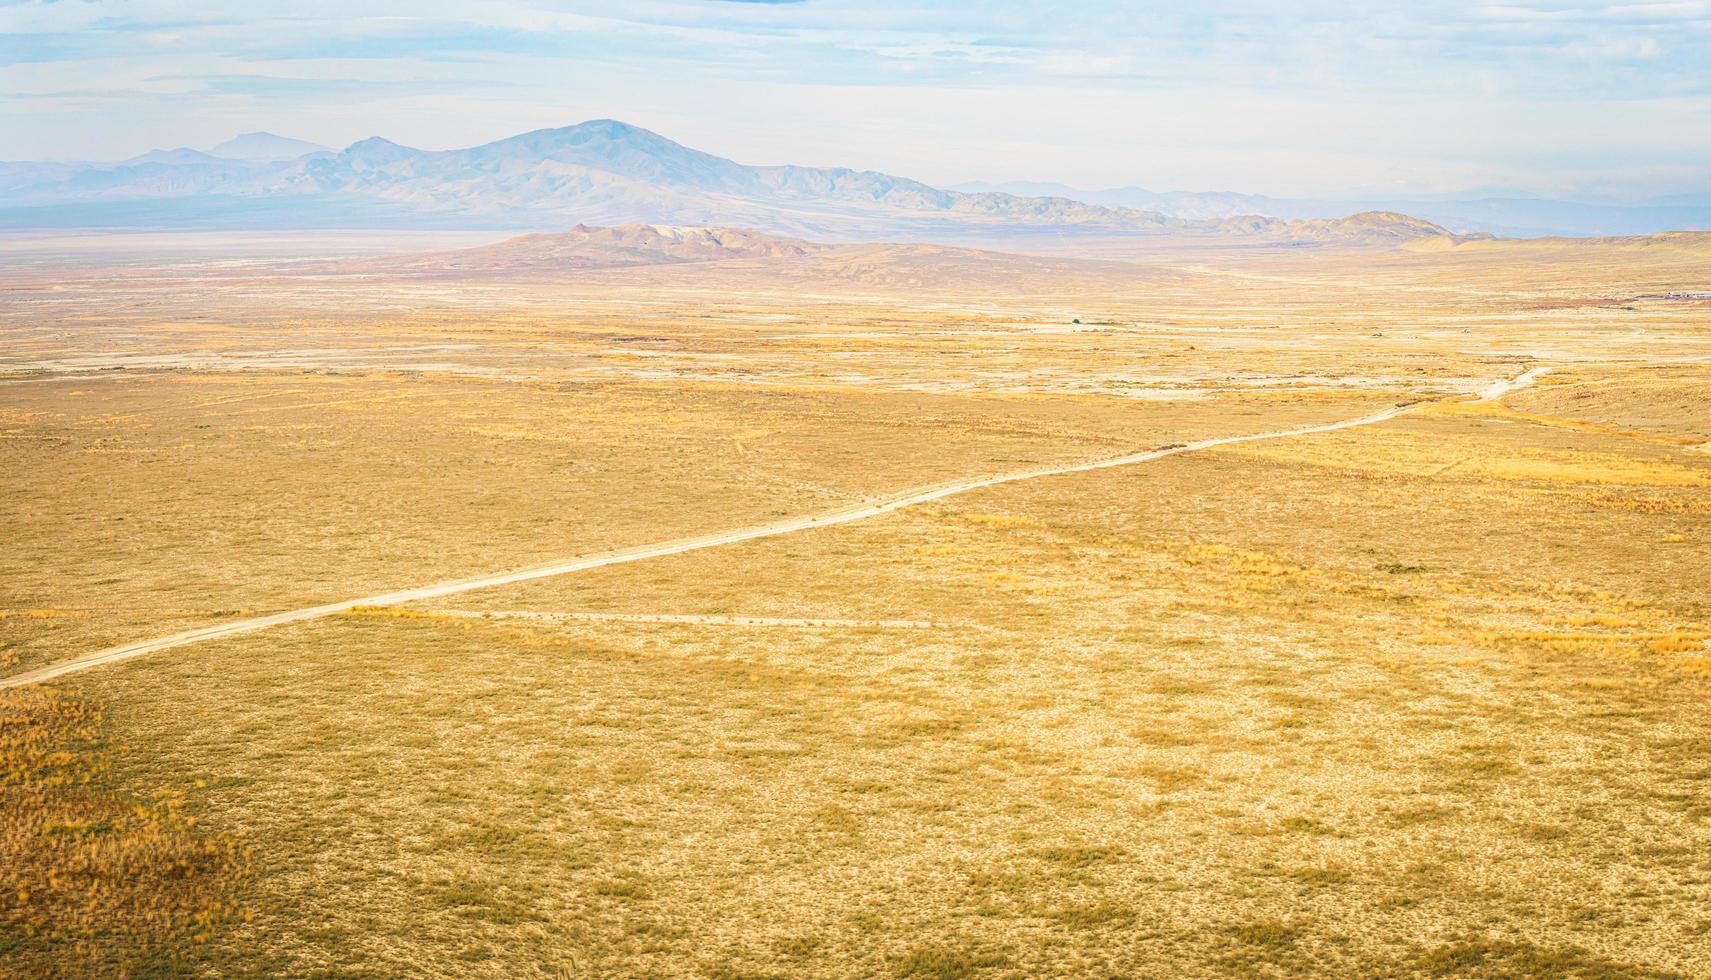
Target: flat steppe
{"points": [[1419, 697]]}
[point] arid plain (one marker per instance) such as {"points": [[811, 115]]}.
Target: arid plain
{"points": [[1424, 695]]}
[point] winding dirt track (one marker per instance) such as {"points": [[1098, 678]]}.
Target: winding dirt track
{"points": [[113, 655]]}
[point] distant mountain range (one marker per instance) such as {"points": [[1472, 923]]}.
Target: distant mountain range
{"points": [[601, 172], [1518, 217], [265, 148]]}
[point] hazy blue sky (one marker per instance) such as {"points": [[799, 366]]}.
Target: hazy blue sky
{"points": [[1302, 97]]}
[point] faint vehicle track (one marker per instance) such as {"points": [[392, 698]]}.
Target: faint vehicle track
{"points": [[679, 619], [846, 515], [1503, 387]]}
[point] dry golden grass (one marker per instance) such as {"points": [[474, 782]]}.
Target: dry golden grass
{"points": [[95, 879], [1181, 737], [1418, 699], [236, 495]]}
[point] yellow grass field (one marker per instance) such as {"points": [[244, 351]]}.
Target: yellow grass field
{"points": [[1422, 697]]}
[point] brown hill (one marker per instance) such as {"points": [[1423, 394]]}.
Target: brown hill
{"points": [[584, 247], [1669, 242], [1369, 228], [1385, 229]]}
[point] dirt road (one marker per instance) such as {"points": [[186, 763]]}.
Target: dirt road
{"points": [[1503, 387], [128, 651]]}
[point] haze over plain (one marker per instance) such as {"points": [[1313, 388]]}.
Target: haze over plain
{"points": [[757, 490], [1521, 119]]}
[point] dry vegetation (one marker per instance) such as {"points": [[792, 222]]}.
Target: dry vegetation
{"points": [[96, 878], [1424, 698], [209, 496]]}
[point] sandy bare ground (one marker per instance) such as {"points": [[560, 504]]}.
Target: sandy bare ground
{"points": [[914, 498], [1504, 386]]}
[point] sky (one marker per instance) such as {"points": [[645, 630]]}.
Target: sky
{"points": [[1594, 101]]}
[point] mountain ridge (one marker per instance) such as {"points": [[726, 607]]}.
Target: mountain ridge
{"points": [[265, 147], [610, 173], [1503, 214]]}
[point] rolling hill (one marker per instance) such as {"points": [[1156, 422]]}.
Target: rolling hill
{"points": [[583, 247]]}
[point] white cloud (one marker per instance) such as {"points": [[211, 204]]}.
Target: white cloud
{"points": [[1310, 98]]}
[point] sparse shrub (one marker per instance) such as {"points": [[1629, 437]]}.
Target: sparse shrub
{"points": [[1000, 521], [1094, 915], [1488, 958], [1320, 877], [1079, 857], [1308, 825], [1269, 933], [945, 963], [797, 947], [92, 881], [837, 820], [625, 889]]}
